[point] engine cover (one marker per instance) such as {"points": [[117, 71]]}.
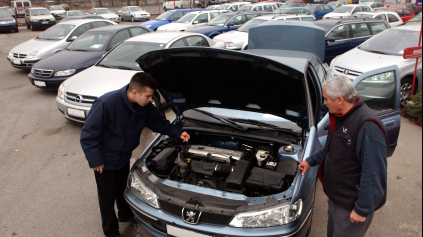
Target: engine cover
{"points": [[216, 154]]}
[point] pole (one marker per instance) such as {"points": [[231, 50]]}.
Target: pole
{"points": [[86, 6], [142, 5], [159, 6], [19, 17], [174, 5], [205, 4], [415, 68]]}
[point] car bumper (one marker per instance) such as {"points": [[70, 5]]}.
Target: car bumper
{"points": [[24, 64], [64, 107], [59, 17], [157, 222], [142, 18], [114, 20], [39, 24], [8, 26], [49, 82]]}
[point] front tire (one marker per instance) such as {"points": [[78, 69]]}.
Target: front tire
{"points": [[27, 25], [16, 30], [164, 9], [32, 28], [132, 19], [406, 87]]}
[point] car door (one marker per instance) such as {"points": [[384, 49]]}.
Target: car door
{"points": [[400, 12], [342, 35], [119, 37], [237, 21], [293, 11], [320, 12], [379, 89], [360, 33], [79, 31], [201, 19], [394, 20], [408, 14], [196, 41], [327, 9]]}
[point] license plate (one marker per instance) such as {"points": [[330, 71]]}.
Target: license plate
{"points": [[39, 83], [45, 22], [17, 61], [76, 113], [178, 232]]}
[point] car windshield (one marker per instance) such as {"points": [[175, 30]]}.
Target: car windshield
{"points": [[75, 13], [39, 12], [282, 10], [391, 42], [344, 9], [223, 7], [124, 55], [56, 8], [358, 15], [311, 7], [90, 41], [254, 22], [220, 20], [135, 9], [104, 11], [325, 27], [163, 16], [5, 15], [245, 8], [56, 32], [187, 18]]}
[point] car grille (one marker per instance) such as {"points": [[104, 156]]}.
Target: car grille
{"points": [[17, 55], [347, 71], [112, 19], [42, 72], [206, 217], [80, 99]]}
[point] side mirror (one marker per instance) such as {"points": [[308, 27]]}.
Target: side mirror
{"points": [[195, 22], [72, 38], [171, 20], [330, 39], [230, 24]]}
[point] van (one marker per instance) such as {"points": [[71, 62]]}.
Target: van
{"points": [[20, 5]]}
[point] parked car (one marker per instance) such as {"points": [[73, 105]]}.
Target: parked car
{"points": [[190, 20], [7, 22], [175, 4], [73, 13], [252, 199], [265, 6], [71, 18], [10, 10], [404, 12], [133, 13], [51, 41], [392, 18], [416, 19], [233, 6], [65, 6], [105, 13], [38, 18], [238, 39], [382, 50], [412, 6], [337, 4], [168, 17], [296, 3], [343, 35], [225, 22], [21, 6], [320, 10], [81, 54], [293, 10], [389, 3], [346, 11], [212, 7], [57, 11], [374, 5], [115, 69]]}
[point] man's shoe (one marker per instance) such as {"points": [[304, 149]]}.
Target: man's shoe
{"points": [[129, 219]]}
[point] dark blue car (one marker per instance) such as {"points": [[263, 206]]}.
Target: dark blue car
{"points": [[7, 22], [319, 10], [168, 17], [84, 52], [345, 34], [225, 22]]}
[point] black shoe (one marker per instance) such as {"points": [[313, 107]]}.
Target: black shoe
{"points": [[129, 219]]}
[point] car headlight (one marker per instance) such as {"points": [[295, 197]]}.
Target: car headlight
{"points": [[33, 54], [34, 20], [61, 92], [141, 191], [385, 77], [275, 216], [63, 73], [229, 44], [10, 54]]}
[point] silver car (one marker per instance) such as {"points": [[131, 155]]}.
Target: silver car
{"points": [[133, 13], [115, 70], [54, 39]]}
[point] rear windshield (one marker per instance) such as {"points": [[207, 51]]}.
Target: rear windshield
{"points": [[325, 27], [311, 7], [344, 9], [254, 22], [5, 15], [56, 32], [26, 4]]}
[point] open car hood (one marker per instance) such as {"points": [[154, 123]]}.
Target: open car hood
{"points": [[288, 35], [205, 77]]}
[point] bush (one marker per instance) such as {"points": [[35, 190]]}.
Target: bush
{"points": [[415, 109]]}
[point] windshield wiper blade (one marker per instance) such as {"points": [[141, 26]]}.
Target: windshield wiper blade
{"points": [[124, 68], [255, 122], [375, 51], [83, 50], [223, 120]]}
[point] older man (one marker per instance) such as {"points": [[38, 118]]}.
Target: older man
{"points": [[354, 160]]}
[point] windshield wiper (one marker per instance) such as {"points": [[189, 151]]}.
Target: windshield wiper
{"points": [[223, 120], [374, 51], [262, 124], [83, 50], [124, 68]]}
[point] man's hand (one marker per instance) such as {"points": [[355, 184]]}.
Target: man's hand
{"points": [[185, 136], [304, 166], [355, 218], [99, 169]]}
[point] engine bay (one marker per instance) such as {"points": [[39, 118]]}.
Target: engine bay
{"points": [[236, 165]]}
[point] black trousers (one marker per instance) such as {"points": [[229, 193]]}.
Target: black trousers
{"points": [[111, 185]]}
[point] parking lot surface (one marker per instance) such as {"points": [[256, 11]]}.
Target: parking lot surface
{"points": [[47, 188]]}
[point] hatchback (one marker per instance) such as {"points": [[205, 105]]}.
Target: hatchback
{"points": [[168, 17], [404, 12], [320, 10]]}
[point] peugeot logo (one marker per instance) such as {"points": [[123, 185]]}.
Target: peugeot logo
{"points": [[191, 216], [346, 71], [78, 99]]}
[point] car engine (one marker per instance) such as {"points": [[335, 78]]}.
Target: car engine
{"points": [[232, 165]]}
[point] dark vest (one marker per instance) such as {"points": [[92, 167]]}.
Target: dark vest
{"points": [[342, 170]]}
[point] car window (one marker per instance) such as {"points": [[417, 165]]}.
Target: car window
{"points": [[378, 92], [392, 18], [381, 17], [238, 20], [98, 24], [121, 36], [18, 4], [80, 30], [268, 8], [367, 9], [307, 18], [407, 12], [380, 5], [400, 12], [319, 9], [136, 31], [293, 19], [251, 16], [293, 11], [358, 9], [327, 8], [197, 41], [360, 30], [178, 44], [341, 32], [213, 15], [304, 11], [92, 41], [176, 16], [378, 27], [26, 4], [202, 18], [320, 70]]}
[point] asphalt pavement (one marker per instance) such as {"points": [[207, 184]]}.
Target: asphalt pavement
{"points": [[47, 188]]}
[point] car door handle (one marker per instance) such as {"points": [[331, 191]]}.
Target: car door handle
{"points": [[390, 124]]}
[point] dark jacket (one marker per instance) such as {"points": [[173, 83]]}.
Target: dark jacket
{"points": [[113, 127]]}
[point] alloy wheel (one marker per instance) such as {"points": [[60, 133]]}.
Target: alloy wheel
{"points": [[406, 92]]}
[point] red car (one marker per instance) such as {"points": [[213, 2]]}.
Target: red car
{"points": [[404, 12], [388, 3]]}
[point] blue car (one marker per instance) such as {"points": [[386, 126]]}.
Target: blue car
{"points": [[81, 54], [168, 17], [251, 122], [225, 22], [319, 10], [7, 22], [345, 34]]}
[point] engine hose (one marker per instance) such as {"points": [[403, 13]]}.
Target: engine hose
{"points": [[206, 182], [173, 170]]}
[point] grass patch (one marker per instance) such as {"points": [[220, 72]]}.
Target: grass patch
{"points": [[414, 110]]}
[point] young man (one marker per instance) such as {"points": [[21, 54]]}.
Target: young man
{"points": [[354, 160], [111, 132]]}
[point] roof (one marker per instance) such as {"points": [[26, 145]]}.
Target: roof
{"points": [[162, 37], [81, 21], [113, 28], [337, 21]]}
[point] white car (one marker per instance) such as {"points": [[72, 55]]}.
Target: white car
{"points": [[192, 19], [261, 6], [51, 41], [346, 11], [57, 11], [392, 18], [105, 13], [233, 6], [374, 5], [133, 13], [238, 39], [384, 49], [77, 94], [175, 4]]}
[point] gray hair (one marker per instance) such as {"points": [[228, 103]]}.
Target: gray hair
{"points": [[340, 86]]}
